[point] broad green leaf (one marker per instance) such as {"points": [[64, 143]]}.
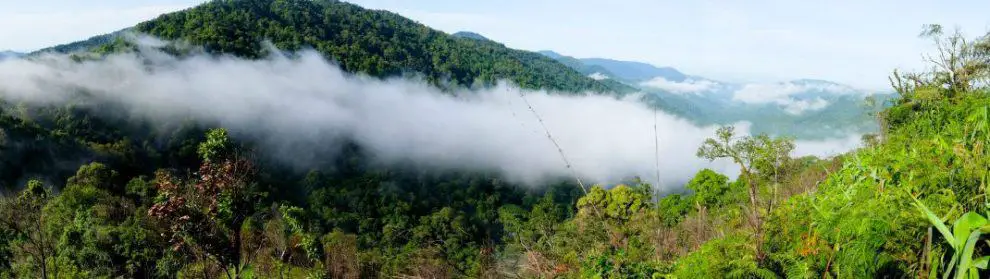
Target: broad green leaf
{"points": [[981, 262], [965, 224]]}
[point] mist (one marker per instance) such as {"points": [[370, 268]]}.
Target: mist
{"points": [[296, 103]]}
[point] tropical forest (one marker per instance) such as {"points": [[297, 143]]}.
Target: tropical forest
{"points": [[321, 139]]}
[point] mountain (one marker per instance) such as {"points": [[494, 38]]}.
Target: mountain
{"points": [[85, 45], [629, 71], [470, 35], [9, 54], [576, 64], [374, 42], [635, 71], [783, 108], [106, 171]]}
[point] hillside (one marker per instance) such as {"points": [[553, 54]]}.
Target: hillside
{"points": [[374, 42], [98, 172], [578, 65], [470, 35]]}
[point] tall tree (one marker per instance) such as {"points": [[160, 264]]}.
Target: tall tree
{"points": [[958, 66], [206, 214], [23, 217], [760, 158]]}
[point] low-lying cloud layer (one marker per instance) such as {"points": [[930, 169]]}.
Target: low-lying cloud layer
{"points": [[783, 94], [761, 93], [305, 102], [598, 76], [688, 86]]}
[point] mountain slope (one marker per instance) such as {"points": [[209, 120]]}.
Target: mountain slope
{"points": [[470, 35], [389, 217], [629, 71], [578, 65], [636, 71], [378, 43]]}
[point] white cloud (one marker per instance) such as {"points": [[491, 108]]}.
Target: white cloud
{"points": [[598, 76], [782, 93], [828, 148], [761, 93], [797, 107], [687, 86], [294, 106]]}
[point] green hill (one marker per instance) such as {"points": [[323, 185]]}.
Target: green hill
{"points": [[374, 42], [92, 174]]}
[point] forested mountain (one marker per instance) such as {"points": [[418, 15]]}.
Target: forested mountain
{"points": [[374, 42], [90, 191], [96, 186]]}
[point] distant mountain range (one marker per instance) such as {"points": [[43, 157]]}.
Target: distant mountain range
{"points": [[805, 108], [471, 58], [9, 54], [627, 71]]}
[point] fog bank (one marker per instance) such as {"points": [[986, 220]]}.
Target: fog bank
{"points": [[304, 102]]}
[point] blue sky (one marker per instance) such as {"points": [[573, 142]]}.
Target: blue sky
{"points": [[853, 42]]}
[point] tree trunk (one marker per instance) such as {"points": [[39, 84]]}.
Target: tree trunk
{"points": [[755, 218], [44, 269], [237, 247], [43, 248]]}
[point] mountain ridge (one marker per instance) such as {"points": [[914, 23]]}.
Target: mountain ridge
{"points": [[785, 107], [631, 71], [7, 54], [470, 35], [374, 42]]}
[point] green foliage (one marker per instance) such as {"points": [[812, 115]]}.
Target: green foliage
{"points": [[673, 208], [727, 257], [217, 145], [966, 232], [619, 203], [711, 189]]}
